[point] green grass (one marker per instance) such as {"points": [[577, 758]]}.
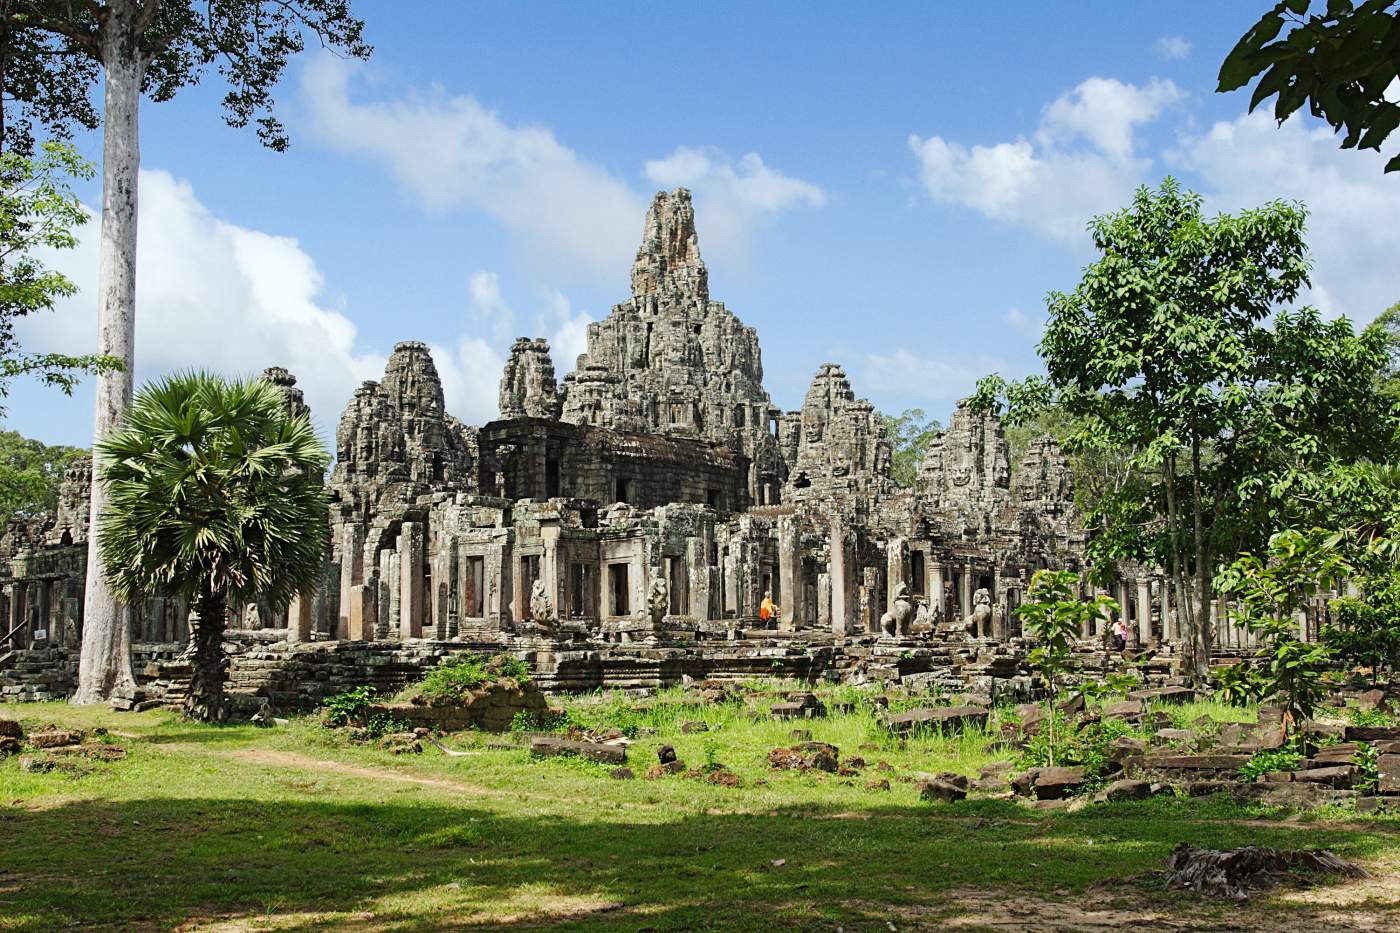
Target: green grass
{"points": [[293, 828]]}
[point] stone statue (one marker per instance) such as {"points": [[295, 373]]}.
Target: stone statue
{"points": [[896, 621], [658, 597], [540, 609], [979, 624]]}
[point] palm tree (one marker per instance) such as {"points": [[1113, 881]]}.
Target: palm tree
{"points": [[214, 494]]}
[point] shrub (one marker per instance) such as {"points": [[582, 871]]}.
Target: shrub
{"points": [[348, 707], [452, 680], [1367, 761], [1088, 748], [1282, 759]]}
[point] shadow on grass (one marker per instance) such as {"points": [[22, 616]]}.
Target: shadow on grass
{"points": [[158, 861]]}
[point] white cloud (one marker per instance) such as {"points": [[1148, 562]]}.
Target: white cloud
{"points": [[1080, 161], [567, 330], [906, 375], [1352, 204], [471, 378], [489, 307], [569, 215], [450, 151], [1172, 48], [1027, 324], [216, 295]]}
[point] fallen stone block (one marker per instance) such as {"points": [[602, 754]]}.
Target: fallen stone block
{"points": [[594, 751], [1337, 776], [1389, 768], [1125, 789], [1169, 762], [1057, 783], [1372, 734], [55, 738], [946, 719], [1124, 709], [941, 791], [11, 729]]}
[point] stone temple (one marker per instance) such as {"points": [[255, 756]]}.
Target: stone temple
{"points": [[622, 526]]}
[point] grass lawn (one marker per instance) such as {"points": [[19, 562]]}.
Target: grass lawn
{"points": [[292, 828]]}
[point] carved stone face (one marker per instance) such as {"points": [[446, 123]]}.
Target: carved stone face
{"points": [[982, 597]]}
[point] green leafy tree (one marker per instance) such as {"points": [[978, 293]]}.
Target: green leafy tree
{"points": [[30, 473], [910, 434], [1365, 627], [215, 494], [1339, 62], [152, 48], [1268, 590], [1220, 419], [1054, 615], [1387, 324], [38, 211]]}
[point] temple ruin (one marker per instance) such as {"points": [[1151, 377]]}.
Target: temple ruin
{"points": [[629, 518]]}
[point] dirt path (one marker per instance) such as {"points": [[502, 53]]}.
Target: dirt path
{"points": [[306, 762]]}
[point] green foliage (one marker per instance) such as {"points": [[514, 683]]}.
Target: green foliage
{"points": [[1339, 61], [1371, 717], [214, 487], [1054, 614], [1267, 760], [349, 706], [1367, 761], [1365, 628], [1268, 591], [455, 678], [248, 42], [38, 212], [1114, 683], [1089, 748], [543, 721], [910, 434], [1236, 684], [30, 473], [1217, 419]]}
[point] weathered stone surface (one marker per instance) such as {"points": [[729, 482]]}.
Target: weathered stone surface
{"points": [[1057, 783], [53, 738], [528, 387], [11, 729], [1389, 768], [1125, 789], [947, 719], [1334, 776], [1125, 709], [1372, 733], [1170, 762], [595, 751], [940, 790]]}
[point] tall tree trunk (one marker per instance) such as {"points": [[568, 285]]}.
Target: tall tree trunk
{"points": [[1204, 570], [104, 667], [1185, 622], [205, 701]]}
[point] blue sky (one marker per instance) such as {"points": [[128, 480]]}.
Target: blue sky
{"points": [[892, 188]]}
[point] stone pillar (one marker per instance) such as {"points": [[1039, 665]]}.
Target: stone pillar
{"points": [[41, 619], [870, 608], [363, 605], [824, 601], [697, 555], [411, 580], [17, 611], [965, 593], [937, 605], [790, 572], [1144, 613], [1101, 619], [388, 609], [299, 618], [843, 581], [352, 572], [896, 569]]}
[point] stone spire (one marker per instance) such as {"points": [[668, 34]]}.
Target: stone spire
{"points": [[668, 260], [284, 380], [671, 361], [843, 446], [967, 467], [528, 389]]}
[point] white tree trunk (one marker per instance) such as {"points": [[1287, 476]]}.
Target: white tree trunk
{"points": [[105, 663]]}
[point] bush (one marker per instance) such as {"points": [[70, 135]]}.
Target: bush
{"points": [[349, 707], [1283, 759], [452, 680], [1088, 748]]}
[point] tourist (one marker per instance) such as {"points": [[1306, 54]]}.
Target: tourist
{"points": [[1120, 634]]}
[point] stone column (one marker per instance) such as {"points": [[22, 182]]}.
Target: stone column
{"points": [[824, 601], [1100, 620], [352, 572], [965, 593], [936, 603], [896, 569], [411, 580], [387, 608], [41, 621], [1144, 612], [790, 572], [299, 618], [17, 610], [843, 581]]}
